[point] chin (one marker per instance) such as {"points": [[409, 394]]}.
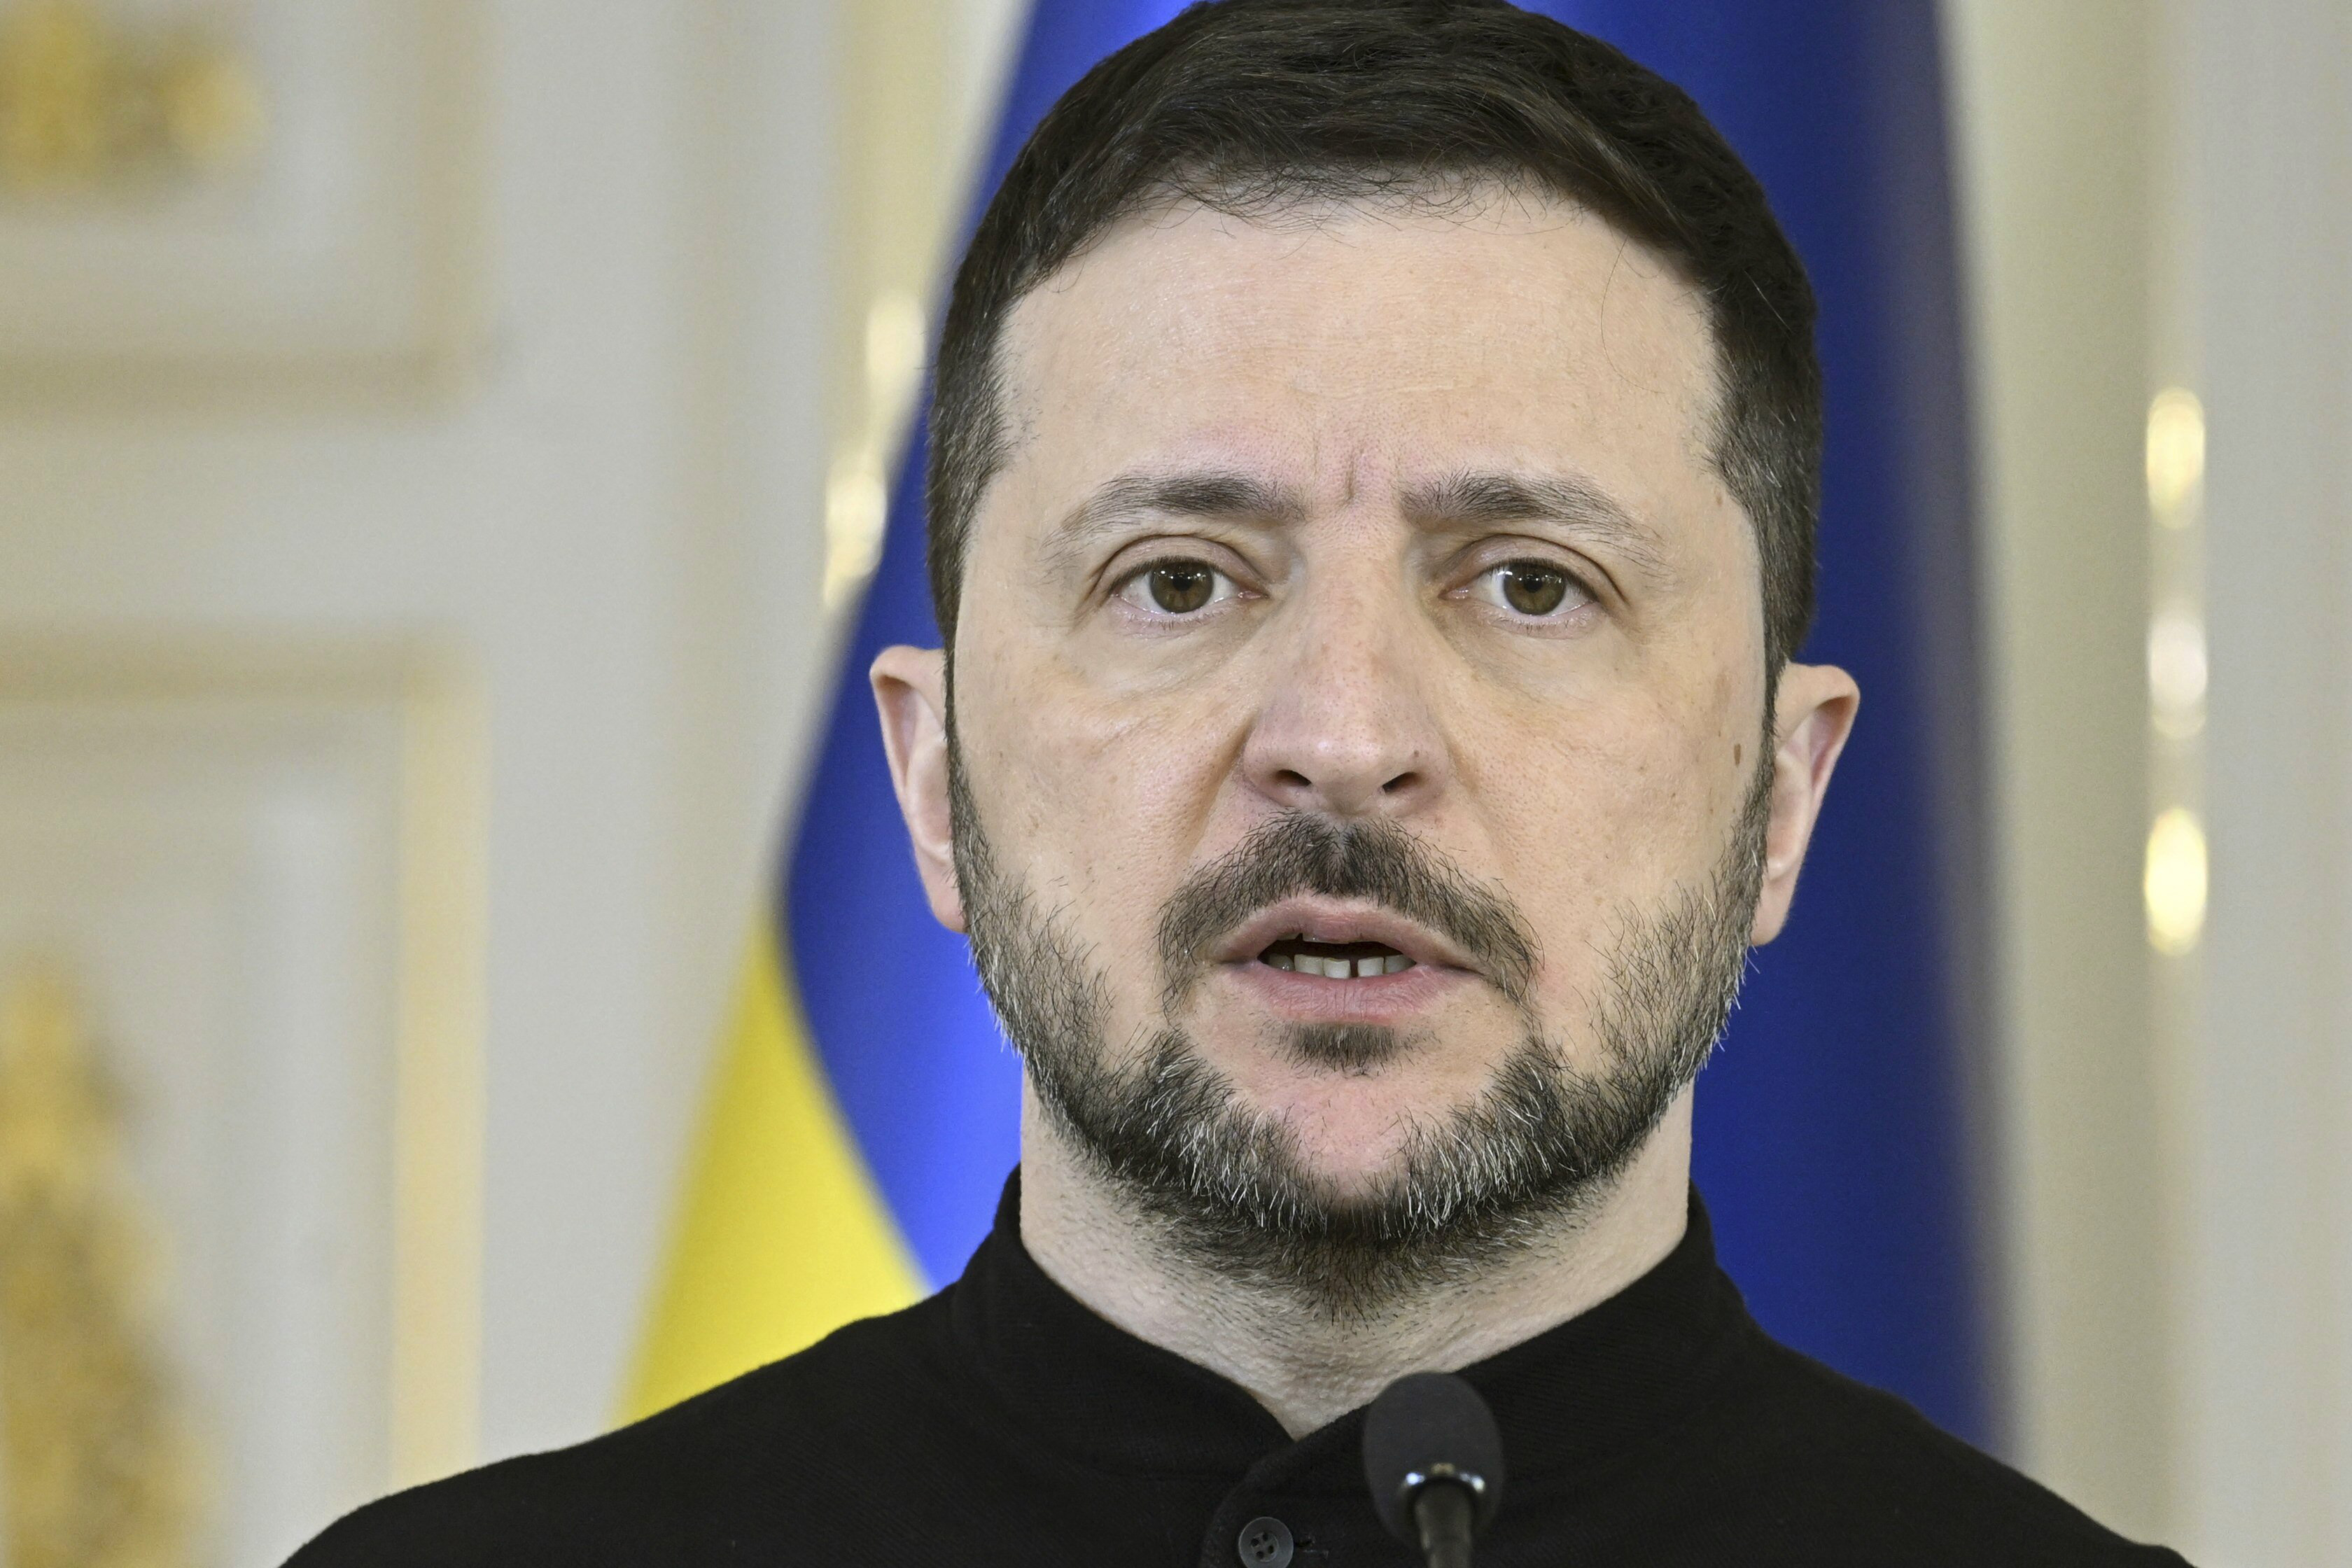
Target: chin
{"points": [[1349, 1133], [1343, 1178], [1358, 1090]]}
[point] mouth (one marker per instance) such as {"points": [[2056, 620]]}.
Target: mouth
{"points": [[1326, 940], [1330, 961]]}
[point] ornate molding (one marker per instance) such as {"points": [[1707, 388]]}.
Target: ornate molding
{"points": [[96, 1450]]}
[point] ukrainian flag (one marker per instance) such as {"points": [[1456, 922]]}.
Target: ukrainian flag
{"points": [[866, 1113]]}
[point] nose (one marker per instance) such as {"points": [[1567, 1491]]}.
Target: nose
{"points": [[1346, 728]]}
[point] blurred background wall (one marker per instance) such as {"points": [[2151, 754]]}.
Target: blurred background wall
{"points": [[437, 440], [2155, 234]]}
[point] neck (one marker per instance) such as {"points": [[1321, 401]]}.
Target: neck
{"points": [[1303, 1365]]}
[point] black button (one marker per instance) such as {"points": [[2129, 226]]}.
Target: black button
{"points": [[1265, 1543]]}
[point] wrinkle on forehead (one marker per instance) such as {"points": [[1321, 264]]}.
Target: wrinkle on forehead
{"points": [[1152, 297]]}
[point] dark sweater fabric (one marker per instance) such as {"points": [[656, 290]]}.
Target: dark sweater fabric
{"points": [[1002, 1421]]}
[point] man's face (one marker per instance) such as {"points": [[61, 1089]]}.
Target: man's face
{"points": [[1351, 534]]}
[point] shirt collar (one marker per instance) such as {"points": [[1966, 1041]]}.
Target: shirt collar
{"points": [[1633, 1366]]}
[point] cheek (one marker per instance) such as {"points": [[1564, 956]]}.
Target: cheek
{"points": [[1596, 811], [1101, 802]]}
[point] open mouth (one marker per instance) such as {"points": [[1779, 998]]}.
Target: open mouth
{"points": [[1334, 960]]}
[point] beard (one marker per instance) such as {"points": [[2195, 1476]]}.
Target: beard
{"points": [[1229, 1187]]}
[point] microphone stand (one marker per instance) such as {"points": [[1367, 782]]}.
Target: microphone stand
{"points": [[1447, 1517]]}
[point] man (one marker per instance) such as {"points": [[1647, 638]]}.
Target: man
{"points": [[1371, 507]]}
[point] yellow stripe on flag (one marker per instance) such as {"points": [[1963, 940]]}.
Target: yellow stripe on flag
{"points": [[784, 1238]]}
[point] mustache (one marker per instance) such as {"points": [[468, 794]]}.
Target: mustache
{"points": [[1372, 861]]}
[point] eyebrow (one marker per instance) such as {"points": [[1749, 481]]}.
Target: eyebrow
{"points": [[1568, 500], [1131, 499]]}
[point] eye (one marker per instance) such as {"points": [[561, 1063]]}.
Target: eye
{"points": [[1531, 588], [1177, 588]]}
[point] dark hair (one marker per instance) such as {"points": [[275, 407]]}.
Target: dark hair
{"points": [[1249, 106]]}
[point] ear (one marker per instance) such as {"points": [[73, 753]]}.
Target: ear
{"points": [[910, 693], [1812, 715]]}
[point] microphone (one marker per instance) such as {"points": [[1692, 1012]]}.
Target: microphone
{"points": [[1434, 1462]]}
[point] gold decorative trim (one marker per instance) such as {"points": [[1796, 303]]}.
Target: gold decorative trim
{"points": [[97, 1460], [95, 103]]}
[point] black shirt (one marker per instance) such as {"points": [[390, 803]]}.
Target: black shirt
{"points": [[1002, 1421]]}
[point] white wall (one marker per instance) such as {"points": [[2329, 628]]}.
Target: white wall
{"points": [[2158, 196], [2262, 161], [616, 518]]}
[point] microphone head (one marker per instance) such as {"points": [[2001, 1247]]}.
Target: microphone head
{"points": [[1430, 1425]]}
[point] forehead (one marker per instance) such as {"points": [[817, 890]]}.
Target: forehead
{"points": [[1341, 344]]}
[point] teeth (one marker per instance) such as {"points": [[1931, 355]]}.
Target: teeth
{"points": [[1339, 968]]}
